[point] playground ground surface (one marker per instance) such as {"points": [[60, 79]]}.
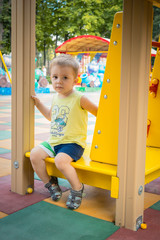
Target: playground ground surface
{"points": [[35, 216]]}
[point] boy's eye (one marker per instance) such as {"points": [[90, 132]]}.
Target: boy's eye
{"points": [[54, 77], [65, 77]]}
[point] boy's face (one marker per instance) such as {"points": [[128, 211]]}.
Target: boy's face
{"points": [[63, 79]]}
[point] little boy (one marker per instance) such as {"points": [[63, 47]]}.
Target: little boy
{"points": [[68, 115]]}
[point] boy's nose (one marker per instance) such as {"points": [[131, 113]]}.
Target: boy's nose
{"points": [[59, 80]]}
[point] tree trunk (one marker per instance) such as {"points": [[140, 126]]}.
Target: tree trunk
{"points": [[44, 54], [56, 45]]}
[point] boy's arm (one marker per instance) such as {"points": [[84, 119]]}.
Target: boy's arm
{"points": [[42, 108], [88, 105]]}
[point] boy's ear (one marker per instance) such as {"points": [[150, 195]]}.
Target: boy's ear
{"points": [[76, 80]]}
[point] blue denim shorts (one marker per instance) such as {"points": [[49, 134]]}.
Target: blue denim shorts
{"points": [[74, 150]]}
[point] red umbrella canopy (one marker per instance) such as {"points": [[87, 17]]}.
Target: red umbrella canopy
{"points": [[84, 43]]}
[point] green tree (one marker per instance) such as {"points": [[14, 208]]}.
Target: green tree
{"points": [[5, 20], [59, 20], [94, 17], [44, 34], [110, 8], [156, 23]]}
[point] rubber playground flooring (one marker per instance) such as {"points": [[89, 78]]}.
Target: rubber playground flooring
{"points": [[35, 216]]}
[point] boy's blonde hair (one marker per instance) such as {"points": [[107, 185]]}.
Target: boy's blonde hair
{"points": [[65, 60]]}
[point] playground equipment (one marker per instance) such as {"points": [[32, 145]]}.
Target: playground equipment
{"points": [[104, 147], [5, 86], [5, 67], [41, 82], [123, 171], [4, 83], [91, 52], [100, 169], [2, 72], [84, 44], [38, 73]]}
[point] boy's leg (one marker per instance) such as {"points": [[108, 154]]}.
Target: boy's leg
{"points": [[37, 158], [63, 163]]}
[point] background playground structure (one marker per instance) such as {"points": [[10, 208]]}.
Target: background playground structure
{"points": [[91, 53], [41, 81], [8, 74], [5, 78]]}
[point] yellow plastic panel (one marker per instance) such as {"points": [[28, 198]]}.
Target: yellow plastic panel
{"points": [[85, 164], [153, 138], [105, 140], [114, 187], [152, 167], [87, 177], [92, 173]]}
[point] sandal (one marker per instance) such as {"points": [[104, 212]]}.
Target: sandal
{"points": [[75, 199], [55, 190]]}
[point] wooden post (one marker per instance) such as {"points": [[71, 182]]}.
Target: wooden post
{"points": [[136, 47], [23, 67]]}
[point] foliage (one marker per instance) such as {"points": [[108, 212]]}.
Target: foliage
{"points": [[59, 20], [94, 17], [5, 20], [156, 23], [43, 25], [64, 19]]}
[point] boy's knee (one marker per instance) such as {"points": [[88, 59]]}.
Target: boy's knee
{"points": [[62, 160], [59, 163], [34, 155]]}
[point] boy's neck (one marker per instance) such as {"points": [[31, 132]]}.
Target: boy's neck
{"points": [[65, 95]]}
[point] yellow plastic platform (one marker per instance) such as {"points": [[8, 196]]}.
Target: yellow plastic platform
{"points": [[92, 173], [104, 175]]}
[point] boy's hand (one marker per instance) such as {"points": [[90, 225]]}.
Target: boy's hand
{"points": [[36, 100]]}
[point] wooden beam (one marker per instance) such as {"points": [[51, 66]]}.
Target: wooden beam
{"points": [[23, 60], [136, 47]]}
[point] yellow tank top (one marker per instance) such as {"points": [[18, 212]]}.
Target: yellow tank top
{"points": [[69, 121]]}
